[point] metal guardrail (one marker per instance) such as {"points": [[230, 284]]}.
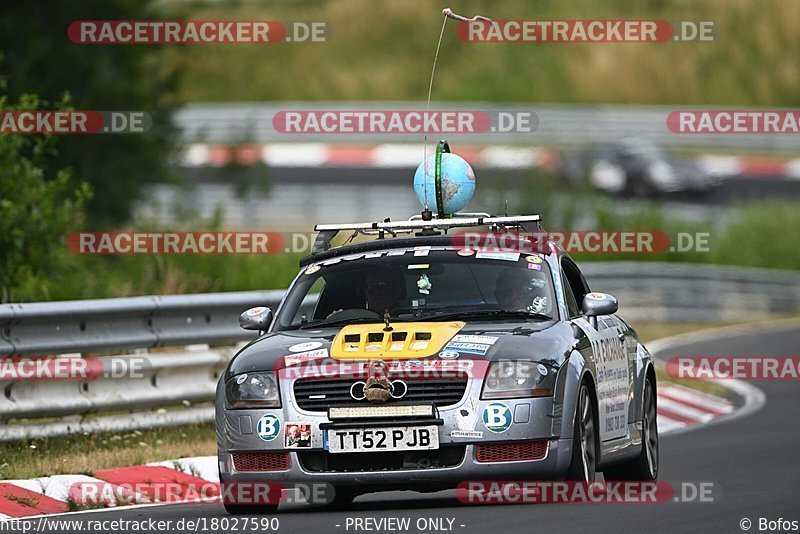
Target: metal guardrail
{"points": [[680, 292], [176, 387], [558, 125], [44, 328]]}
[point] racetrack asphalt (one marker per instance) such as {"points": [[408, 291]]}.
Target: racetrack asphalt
{"points": [[753, 462]]}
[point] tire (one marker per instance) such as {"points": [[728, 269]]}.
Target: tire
{"points": [[249, 509], [645, 466], [584, 440]]}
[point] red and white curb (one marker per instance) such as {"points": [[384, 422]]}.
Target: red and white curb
{"points": [[678, 408], [409, 155], [377, 156], [186, 480], [747, 166]]}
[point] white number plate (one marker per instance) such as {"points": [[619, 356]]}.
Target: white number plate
{"points": [[403, 438]]}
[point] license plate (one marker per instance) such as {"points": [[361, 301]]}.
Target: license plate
{"points": [[403, 438]]}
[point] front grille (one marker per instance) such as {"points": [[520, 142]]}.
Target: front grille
{"points": [[323, 461], [261, 461], [511, 452], [317, 395]]}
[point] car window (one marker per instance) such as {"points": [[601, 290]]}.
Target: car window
{"points": [[572, 304], [310, 303], [414, 286], [575, 280]]}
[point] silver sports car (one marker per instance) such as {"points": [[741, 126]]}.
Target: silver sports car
{"points": [[413, 362]]}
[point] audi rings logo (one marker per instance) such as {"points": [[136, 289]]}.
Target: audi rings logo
{"points": [[397, 390]]}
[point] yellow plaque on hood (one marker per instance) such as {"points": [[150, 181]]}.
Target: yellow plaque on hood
{"points": [[404, 341]]}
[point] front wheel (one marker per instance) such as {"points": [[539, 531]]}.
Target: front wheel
{"points": [[584, 441], [645, 465]]}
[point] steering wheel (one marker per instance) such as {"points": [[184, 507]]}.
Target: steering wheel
{"points": [[352, 313]]}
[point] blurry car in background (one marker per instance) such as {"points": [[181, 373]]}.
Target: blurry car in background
{"points": [[635, 167]]}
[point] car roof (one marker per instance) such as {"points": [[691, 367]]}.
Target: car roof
{"points": [[427, 236]]}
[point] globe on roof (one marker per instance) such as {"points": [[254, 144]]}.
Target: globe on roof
{"points": [[458, 183]]}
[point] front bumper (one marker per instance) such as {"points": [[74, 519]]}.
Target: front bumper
{"points": [[533, 419], [553, 465]]}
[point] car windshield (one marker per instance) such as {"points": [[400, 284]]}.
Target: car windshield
{"points": [[419, 284]]}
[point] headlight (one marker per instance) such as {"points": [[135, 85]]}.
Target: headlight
{"points": [[507, 379], [253, 390]]}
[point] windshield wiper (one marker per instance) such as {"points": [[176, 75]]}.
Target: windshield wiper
{"points": [[491, 314]]}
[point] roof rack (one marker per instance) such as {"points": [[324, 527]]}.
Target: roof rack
{"points": [[426, 226]]}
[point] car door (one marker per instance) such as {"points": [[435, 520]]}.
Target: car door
{"points": [[609, 343]]}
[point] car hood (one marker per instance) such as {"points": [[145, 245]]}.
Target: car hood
{"points": [[545, 342]]}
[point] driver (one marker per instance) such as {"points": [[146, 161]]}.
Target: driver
{"points": [[522, 290], [382, 289]]}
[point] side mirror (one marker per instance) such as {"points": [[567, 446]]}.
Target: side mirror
{"points": [[258, 318], [596, 304]]}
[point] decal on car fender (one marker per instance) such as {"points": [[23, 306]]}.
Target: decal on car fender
{"points": [[613, 378], [497, 417], [466, 338], [297, 436], [295, 359], [469, 434], [268, 427], [467, 416], [303, 347], [479, 349]]}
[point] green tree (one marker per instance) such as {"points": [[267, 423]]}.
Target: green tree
{"points": [[39, 58], [36, 213]]}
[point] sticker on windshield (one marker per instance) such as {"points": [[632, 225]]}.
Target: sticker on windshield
{"points": [[533, 259], [312, 269], [419, 266], [539, 305], [421, 251], [424, 284], [505, 256], [535, 266], [465, 252]]}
